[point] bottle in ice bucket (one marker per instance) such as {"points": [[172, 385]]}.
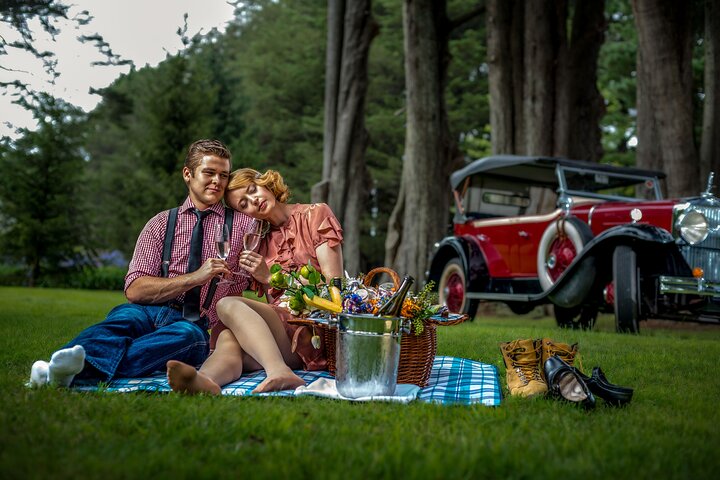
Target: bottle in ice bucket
{"points": [[393, 306]]}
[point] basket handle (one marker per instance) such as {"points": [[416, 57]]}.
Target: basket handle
{"points": [[371, 274]]}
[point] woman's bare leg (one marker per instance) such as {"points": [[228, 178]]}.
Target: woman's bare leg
{"points": [[223, 366], [261, 335]]}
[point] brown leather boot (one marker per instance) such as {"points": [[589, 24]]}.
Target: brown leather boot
{"points": [[550, 347], [523, 368]]}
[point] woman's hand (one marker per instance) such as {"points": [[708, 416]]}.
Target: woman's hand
{"points": [[255, 264]]}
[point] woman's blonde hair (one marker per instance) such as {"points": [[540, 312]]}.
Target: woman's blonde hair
{"points": [[271, 179]]}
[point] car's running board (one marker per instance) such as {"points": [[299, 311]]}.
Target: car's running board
{"points": [[505, 297]]}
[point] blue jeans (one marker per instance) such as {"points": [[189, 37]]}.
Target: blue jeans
{"points": [[138, 340]]}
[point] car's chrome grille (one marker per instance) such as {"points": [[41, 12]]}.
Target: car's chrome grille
{"points": [[708, 260], [707, 253]]}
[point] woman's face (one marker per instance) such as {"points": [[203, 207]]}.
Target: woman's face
{"points": [[253, 200]]}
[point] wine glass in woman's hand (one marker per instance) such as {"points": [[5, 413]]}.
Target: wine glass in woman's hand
{"points": [[222, 245], [251, 240], [249, 259]]}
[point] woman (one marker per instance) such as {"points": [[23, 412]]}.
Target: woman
{"points": [[254, 335]]}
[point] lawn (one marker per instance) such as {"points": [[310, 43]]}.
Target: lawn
{"points": [[670, 430]]}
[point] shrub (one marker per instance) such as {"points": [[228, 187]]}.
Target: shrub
{"points": [[13, 275], [97, 278], [87, 278]]}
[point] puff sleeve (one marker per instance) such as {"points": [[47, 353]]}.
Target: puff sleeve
{"points": [[324, 226]]}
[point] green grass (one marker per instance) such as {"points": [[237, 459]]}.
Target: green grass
{"points": [[670, 430]]}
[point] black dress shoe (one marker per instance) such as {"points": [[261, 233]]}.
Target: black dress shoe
{"points": [[601, 387], [613, 394], [566, 382]]}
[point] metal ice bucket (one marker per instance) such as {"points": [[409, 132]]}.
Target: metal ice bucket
{"points": [[367, 354]]}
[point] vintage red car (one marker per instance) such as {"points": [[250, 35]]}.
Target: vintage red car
{"points": [[609, 243]]}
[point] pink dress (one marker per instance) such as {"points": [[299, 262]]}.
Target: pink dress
{"points": [[292, 245]]}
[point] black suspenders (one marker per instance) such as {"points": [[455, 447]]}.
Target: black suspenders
{"points": [[169, 237], [167, 248]]}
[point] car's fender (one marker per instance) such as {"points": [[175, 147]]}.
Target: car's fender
{"points": [[468, 251], [575, 283]]}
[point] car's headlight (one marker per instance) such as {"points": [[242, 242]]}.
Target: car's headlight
{"points": [[693, 227]]}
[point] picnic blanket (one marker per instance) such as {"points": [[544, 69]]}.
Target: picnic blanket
{"points": [[453, 380]]}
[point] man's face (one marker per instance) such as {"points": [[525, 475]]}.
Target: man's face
{"points": [[207, 183]]}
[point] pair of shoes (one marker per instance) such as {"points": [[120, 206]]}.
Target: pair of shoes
{"points": [[522, 365], [600, 386], [568, 383], [524, 360]]}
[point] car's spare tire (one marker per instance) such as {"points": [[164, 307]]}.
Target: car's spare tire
{"points": [[561, 242]]}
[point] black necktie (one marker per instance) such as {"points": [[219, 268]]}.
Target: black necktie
{"points": [[191, 308]]}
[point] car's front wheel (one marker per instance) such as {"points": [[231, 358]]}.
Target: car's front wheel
{"points": [[627, 290], [452, 289]]}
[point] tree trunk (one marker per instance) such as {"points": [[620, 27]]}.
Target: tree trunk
{"points": [[665, 48], [580, 105], [648, 148], [544, 98], [421, 215], [710, 146], [345, 176], [333, 57], [500, 76], [541, 43]]}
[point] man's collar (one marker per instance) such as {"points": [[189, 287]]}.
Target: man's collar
{"points": [[188, 204]]}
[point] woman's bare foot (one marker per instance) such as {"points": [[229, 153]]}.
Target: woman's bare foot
{"points": [[283, 381], [183, 378]]}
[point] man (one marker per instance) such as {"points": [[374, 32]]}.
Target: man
{"points": [[168, 315]]}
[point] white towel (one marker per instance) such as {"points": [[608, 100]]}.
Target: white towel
{"points": [[325, 387]]}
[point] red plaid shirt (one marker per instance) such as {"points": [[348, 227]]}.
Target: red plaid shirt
{"points": [[147, 258]]}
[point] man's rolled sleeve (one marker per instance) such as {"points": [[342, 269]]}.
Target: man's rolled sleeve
{"points": [[147, 258]]}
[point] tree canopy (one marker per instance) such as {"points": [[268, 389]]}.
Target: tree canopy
{"points": [[259, 87]]}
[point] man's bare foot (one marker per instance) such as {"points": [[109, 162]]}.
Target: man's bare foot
{"points": [[284, 381], [183, 378]]}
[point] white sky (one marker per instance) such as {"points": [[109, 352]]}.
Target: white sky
{"points": [[143, 31]]}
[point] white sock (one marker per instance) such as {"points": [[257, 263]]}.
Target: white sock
{"points": [[39, 374], [65, 364]]}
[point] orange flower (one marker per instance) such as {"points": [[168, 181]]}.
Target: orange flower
{"points": [[410, 308]]}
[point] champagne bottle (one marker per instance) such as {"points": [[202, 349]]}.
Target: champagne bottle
{"points": [[393, 307]]}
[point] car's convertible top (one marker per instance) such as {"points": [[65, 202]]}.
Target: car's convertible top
{"points": [[541, 171]]}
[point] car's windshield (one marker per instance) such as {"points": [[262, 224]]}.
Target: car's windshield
{"points": [[607, 185]]}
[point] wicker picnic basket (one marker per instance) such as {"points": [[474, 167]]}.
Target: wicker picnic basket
{"points": [[417, 351]]}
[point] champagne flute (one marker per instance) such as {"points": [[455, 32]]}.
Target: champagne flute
{"points": [[222, 245], [251, 240]]}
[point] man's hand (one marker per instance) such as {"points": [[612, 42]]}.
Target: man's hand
{"points": [[213, 267], [155, 290]]}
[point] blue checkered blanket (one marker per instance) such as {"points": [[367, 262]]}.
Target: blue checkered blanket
{"points": [[452, 380]]}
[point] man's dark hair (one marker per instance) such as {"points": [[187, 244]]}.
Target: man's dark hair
{"points": [[205, 147]]}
